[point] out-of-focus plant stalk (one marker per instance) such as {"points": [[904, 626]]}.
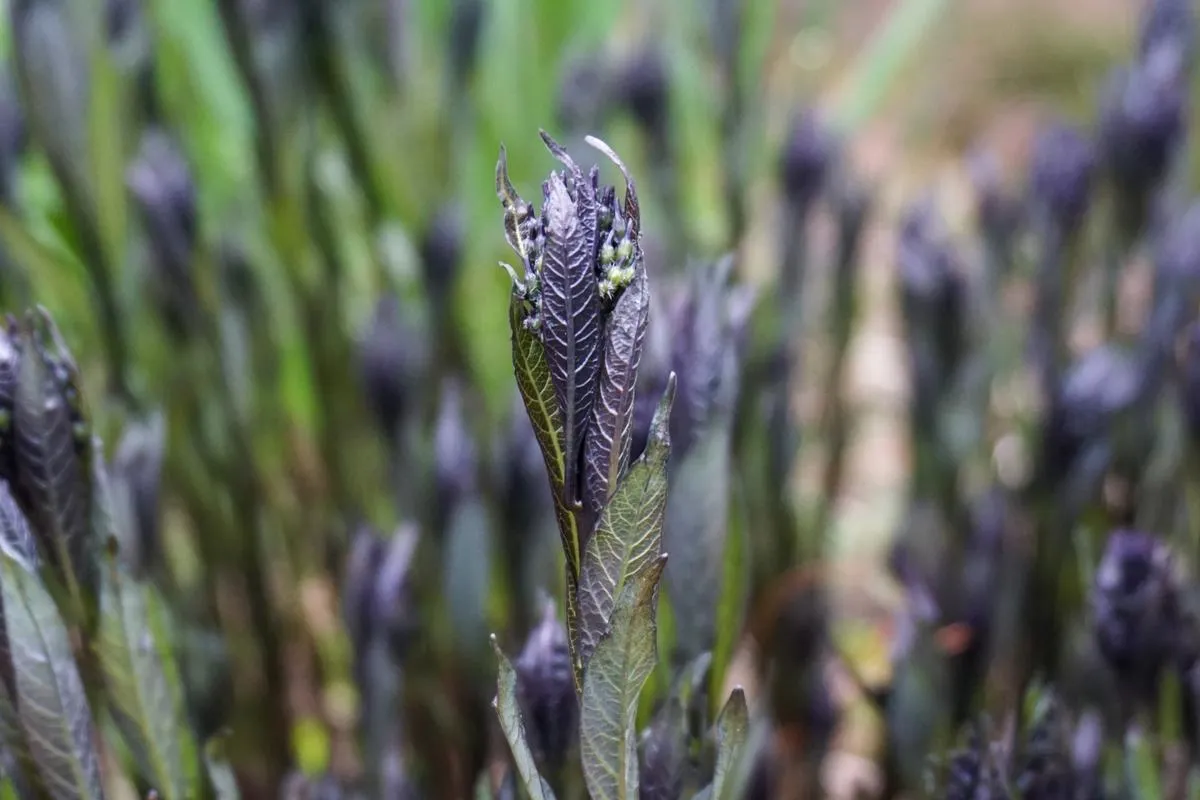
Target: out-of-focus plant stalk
{"points": [[852, 207], [329, 68], [266, 138], [726, 34]]}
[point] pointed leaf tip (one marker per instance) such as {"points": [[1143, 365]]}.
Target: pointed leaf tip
{"points": [[556, 149], [660, 425]]}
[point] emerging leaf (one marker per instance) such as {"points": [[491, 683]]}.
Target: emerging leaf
{"points": [[142, 683], [615, 674], [509, 712], [628, 540], [732, 728]]}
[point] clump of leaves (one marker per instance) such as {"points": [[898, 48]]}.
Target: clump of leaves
{"points": [[578, 314]]}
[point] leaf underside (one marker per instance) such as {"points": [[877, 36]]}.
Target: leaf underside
{"points": [[51, 705], [54, 482], [609, 437], [509, 712], [620, 665], [571, 318], [628, 538]]}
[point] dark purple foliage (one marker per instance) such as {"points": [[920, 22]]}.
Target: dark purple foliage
{"points": [[546, 690], [1142, 122], [162, 185], [391, 360], [1136, 606], [808, 155], [1168, 25], [643, 87], [455, 461], [442, 252]]}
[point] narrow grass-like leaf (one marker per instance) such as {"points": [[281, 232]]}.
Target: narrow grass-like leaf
{"points": [[51, 705], [509, 712], [615, 674], [610, 436], [53, 476], [628, 538], [142, 685], [106, 120], [732, 728], [537, 392]]}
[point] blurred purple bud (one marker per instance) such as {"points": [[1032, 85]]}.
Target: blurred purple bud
{"points": [[442, 252], [454, 455], [1177, 259], [392, 361], [1098, 386], [933, 299], [367, 553], [808, 153], [393, 614], [583, 94], [997, 210], [1142, 120], [1061, 173], [707, 330], [1168, 25], [972, 772], [138, 468], [546, 690], [161, 184], [1136, 607], [524, 487], [662, 759], [643, 87]]}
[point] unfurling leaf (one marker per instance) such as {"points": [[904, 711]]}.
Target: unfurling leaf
{"points": [[537, 391], [509, 712], [612, 683], [53, 454], [50, 706], [610, 437], [628, 539], [733, 727], [142, 685]]}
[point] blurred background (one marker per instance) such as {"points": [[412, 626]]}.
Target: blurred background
{"points": [[268, 231]]}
